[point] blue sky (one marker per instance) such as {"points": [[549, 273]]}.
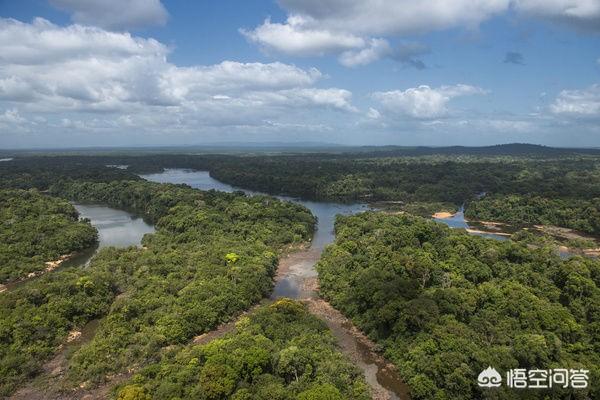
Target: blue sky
{"points": [[435, 72]]}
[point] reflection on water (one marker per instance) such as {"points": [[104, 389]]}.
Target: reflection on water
{"points": [[115, 227], [196, 179]]}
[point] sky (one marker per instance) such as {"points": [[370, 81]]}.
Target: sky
{"points": [[77, 73]]}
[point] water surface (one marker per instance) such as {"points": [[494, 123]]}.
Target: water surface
{"points": [[116, 228], [458, 221]]}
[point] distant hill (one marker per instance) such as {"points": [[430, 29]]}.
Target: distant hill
{"points": [[329, 149], [511, 149]]}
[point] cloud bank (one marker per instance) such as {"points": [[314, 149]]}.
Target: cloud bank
{"points": [[111, 80], [356, 30]]}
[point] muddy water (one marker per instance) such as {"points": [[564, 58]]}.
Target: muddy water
{"points": [[297, 278]]}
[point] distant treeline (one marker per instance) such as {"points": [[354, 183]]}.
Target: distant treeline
{"points": [[555, 186]]}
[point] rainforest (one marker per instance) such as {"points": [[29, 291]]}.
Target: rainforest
{"points": [[190, 311]]}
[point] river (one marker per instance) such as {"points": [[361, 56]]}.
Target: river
{"points": [[297, 278], [291, 285], [116, 228]]}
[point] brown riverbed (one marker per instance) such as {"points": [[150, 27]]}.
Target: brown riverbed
{"points": [[297, 278]]}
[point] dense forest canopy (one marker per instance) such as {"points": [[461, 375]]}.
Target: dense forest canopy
{"points": [[35, 229], [579, 214], [279, 352], [443, 305], [446, 305], [179, 285]]}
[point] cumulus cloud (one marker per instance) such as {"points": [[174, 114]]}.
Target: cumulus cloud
{"points": [[383, 17], [77, 70], [373, 113], [12, 116], [578, 103], [346, 28], [376, 49], [297, 38], [115, 14], [423, 102]]}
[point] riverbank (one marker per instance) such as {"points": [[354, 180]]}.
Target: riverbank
{"points": [[50, 266], [297, 276]]}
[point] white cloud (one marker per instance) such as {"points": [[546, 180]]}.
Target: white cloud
{"points": [[42, 42], [376, 49], [423, 101], [373, 113], [115, 14], [82, 73], [382, 17], [345, 27], [582, 103], [12, 116], [297, 38]]}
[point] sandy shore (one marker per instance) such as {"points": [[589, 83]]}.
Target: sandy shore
{"points": [[442, 215], [478, 231], [50, 266]]}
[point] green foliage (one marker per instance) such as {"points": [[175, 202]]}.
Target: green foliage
{"points": [[231, 258], [558, 186], [133, 392], [35, 228], [579, 214], [444, 305], [321, 392], [174, 288], [179, 286], [280, 351], [36, 318]]}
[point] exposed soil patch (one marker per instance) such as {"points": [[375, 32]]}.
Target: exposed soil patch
{"points": [[442, 215], [380, 374]]}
